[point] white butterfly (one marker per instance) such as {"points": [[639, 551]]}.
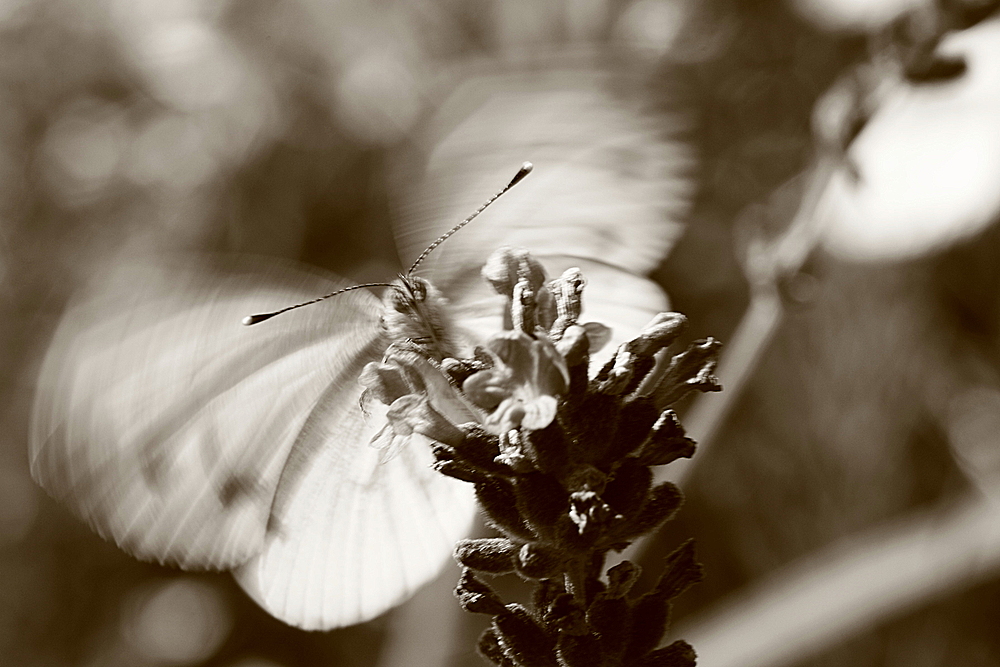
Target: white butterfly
{"points": [[190, 439]]}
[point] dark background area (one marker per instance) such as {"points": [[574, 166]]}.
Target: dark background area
{"points": [[259, 127]]}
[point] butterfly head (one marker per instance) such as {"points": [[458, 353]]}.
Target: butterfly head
{"points": [[410, 292], [415, 312]]}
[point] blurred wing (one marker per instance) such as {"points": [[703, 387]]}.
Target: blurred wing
{"points": [[351, 535], [610, 187], [619, 299], [165, 423], [191, 439]]}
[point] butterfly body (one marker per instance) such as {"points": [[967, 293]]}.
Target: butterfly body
{"points": [[416, 311]]}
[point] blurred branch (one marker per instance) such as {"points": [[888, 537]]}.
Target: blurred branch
{"points": [[858, 583], [850, 587], [767, 264]]}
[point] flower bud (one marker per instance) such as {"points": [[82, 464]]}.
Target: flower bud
{"points": [[523, 308], [494, 555], [661, 331], [522, 640], [666, 441], [507, 265], [566, 291], [621, 578], [689, 371], [499, 503], [663, 501], [628, 487], [477, 597]]}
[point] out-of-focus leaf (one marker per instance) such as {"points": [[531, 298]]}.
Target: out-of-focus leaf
{"points": [[850, 587], [924, 172], [855, 14]]}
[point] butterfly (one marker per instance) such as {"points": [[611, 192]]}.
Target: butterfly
{"points": [[190, 439]]}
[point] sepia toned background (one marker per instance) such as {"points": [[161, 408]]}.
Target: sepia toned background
{"points": [[829, 170]]}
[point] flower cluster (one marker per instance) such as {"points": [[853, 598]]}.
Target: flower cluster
{"points": [[561, 465]]}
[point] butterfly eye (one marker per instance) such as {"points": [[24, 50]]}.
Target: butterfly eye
{"points": [[418, 288]]}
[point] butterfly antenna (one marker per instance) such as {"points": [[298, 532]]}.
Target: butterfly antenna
{"points": [[522, 172], [256, 319]]}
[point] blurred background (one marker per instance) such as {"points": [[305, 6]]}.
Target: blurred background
{"points": [[828, 211]]}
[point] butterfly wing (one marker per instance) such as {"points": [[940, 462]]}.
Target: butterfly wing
{"points": [[191, 439], [353, 535], [165, 423], [610, 187], [619, 299]]}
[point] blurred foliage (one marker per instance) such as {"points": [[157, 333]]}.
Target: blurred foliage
{"points": [[268, 127]]}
